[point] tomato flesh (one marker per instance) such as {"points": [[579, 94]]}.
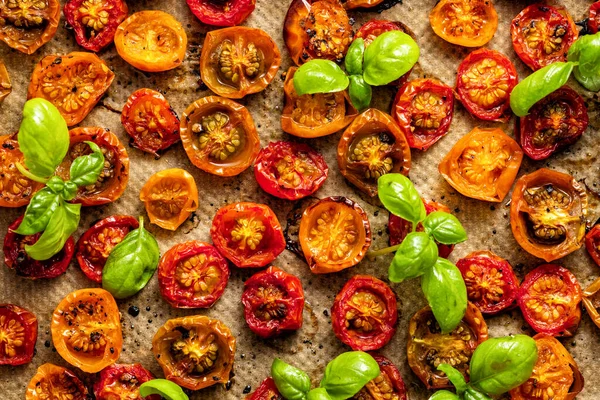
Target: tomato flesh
{"points": [[16, 189], [18, 334], [28, 25], [469, 23], [594, 17], [54, 382]]}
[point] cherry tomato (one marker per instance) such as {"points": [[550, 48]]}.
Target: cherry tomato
{"points": [[16, 189], [468, 23], [28, 25], [195, 352], [150, 121], [219, 136], [95, 21], [554, 122], [352, 4], [16, 258], [73, 83], [54, 382], [317, 29], [387, 386], [170, 197], [122, 381], [247, 234], [483, 164], [547, 214], [424, 108], [96, 244], [592, 244], [5, 85], [591, 301], [290, 170], [18, 333], [151, 41], [594, 17], [542, 34], [86, 329], [192, 275], [273, 302], [221, 13], [265, 391], [427, 347]]}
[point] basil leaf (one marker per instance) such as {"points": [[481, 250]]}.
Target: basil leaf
{"points": [[586, 52], [539, 85], [85, 170], [131, 263], [417, 253], [399, 196], [56, 184], [320, 76], [318, 394], [471, 394], [501, 364], [455, 376], [388, 57], [446, 294], [346, 374], [43, 137], [164, 388], [360, 93], [42, 206], [292, 383], [444, 227], [444, 395], [354, 57]]}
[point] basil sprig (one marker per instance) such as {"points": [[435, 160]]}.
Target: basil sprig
{"points": [[164, 388]]}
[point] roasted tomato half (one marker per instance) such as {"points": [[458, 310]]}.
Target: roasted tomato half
{"points": [[170, 197], [122, 381], [334, 234], [592, 243], [399, 228], [28, 25], [86, 329], [555, 375], [352, 4], [195, 352], [151, 41], [317, 29], [594, 17], [372, 146], [424, 108], [222, 13], [247, 234], [16, 189], [150, 121], [484, 82], [364, 314], [219, 136], [265, 391], [483, 164], [428, 347], [591, 301], [238, 61], [542, 34], [469, 23], [95, 21], [554, 122], [16, 258], [5, 84], [192, 275], [114, 176], [73, 83], [387, 386], [289, 170], [18, 334], [549, 299], [95, 245], [547, 214], [54, 382]]}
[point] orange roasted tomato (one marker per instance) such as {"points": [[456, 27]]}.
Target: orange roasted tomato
{"points": [[86, 329], [317, 29], [387, 386], [469, 23], [265, 391], [18, 334], [334, 234], [122, 382], [151, 41], [16, 189], [170, 197], [427, 347], [52, 382], [247, 234], [591, 301], [219, 136], [592, 243], [372, 146], [114, 176], [555, 375], [547, 214], [27, 25], [352, 4], [5, 84], [314, 115], [483, 164], [195, 352], [238, 61]]}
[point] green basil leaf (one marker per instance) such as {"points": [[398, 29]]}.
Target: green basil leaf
{"points": [[446, 294], [346, 374], [501, 364], [43, 137], [388, 57], [318, 394], [131, 263], [586, 52], [56, 184], [85, 170], [471, 394], [417, 253], [539, 85], [42, 206], [444, 227], [400, 197], [320, 76], [164, 388], [292, 383], [69, 191], [444, 395], [455, 376], [354, 57], [360, 92]]}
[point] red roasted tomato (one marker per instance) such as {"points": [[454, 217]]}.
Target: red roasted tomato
{"points": [[364, 313], [222, 13], [594, 17], [266, 391], [18, 334], [52, 382], [592, 243], [122, 382], [387, 386]]}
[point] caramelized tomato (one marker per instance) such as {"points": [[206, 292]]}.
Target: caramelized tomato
{"points": [[54, 382], [15, 188], [387, 386], [5, 85], [18, 334], [352, 4], [591, 301], [28, 25], [265, 391], [594, 17], [592, 244], [122, 382], [469, 23], [222, 13]]}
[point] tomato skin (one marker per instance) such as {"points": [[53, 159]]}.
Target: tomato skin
{"points": [[592, 244], [361, 4], [122, 381], [25, 322], [214, 13], [10, 176], [594, 17], [388, 383], [448, 17], [52, 381], [590, 300], [265, 391], [25, 37]]}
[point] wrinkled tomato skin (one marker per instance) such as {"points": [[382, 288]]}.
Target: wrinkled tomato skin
{"points": [[468, 23], [16, 258], [21, 324], [594, 17], [592, 244], [11, 178], [217, 13], [122, 381], [591, 301], [24, 38], [92, 248], [388, 383], [54, 382], [265, 391]]}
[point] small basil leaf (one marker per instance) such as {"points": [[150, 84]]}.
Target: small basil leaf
{"points": [[446, 294], [400, 197], [320, 76], [56, 184], [417, 253], [346, 374], [354, 57], [86, 169], [444, 395], [69, 191], [444, 227], [292, 383], [164, 388], [586, 52], [318, 394], [455, 376], [388, 57], [471, 394], [360, 93], [42, 206]]}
